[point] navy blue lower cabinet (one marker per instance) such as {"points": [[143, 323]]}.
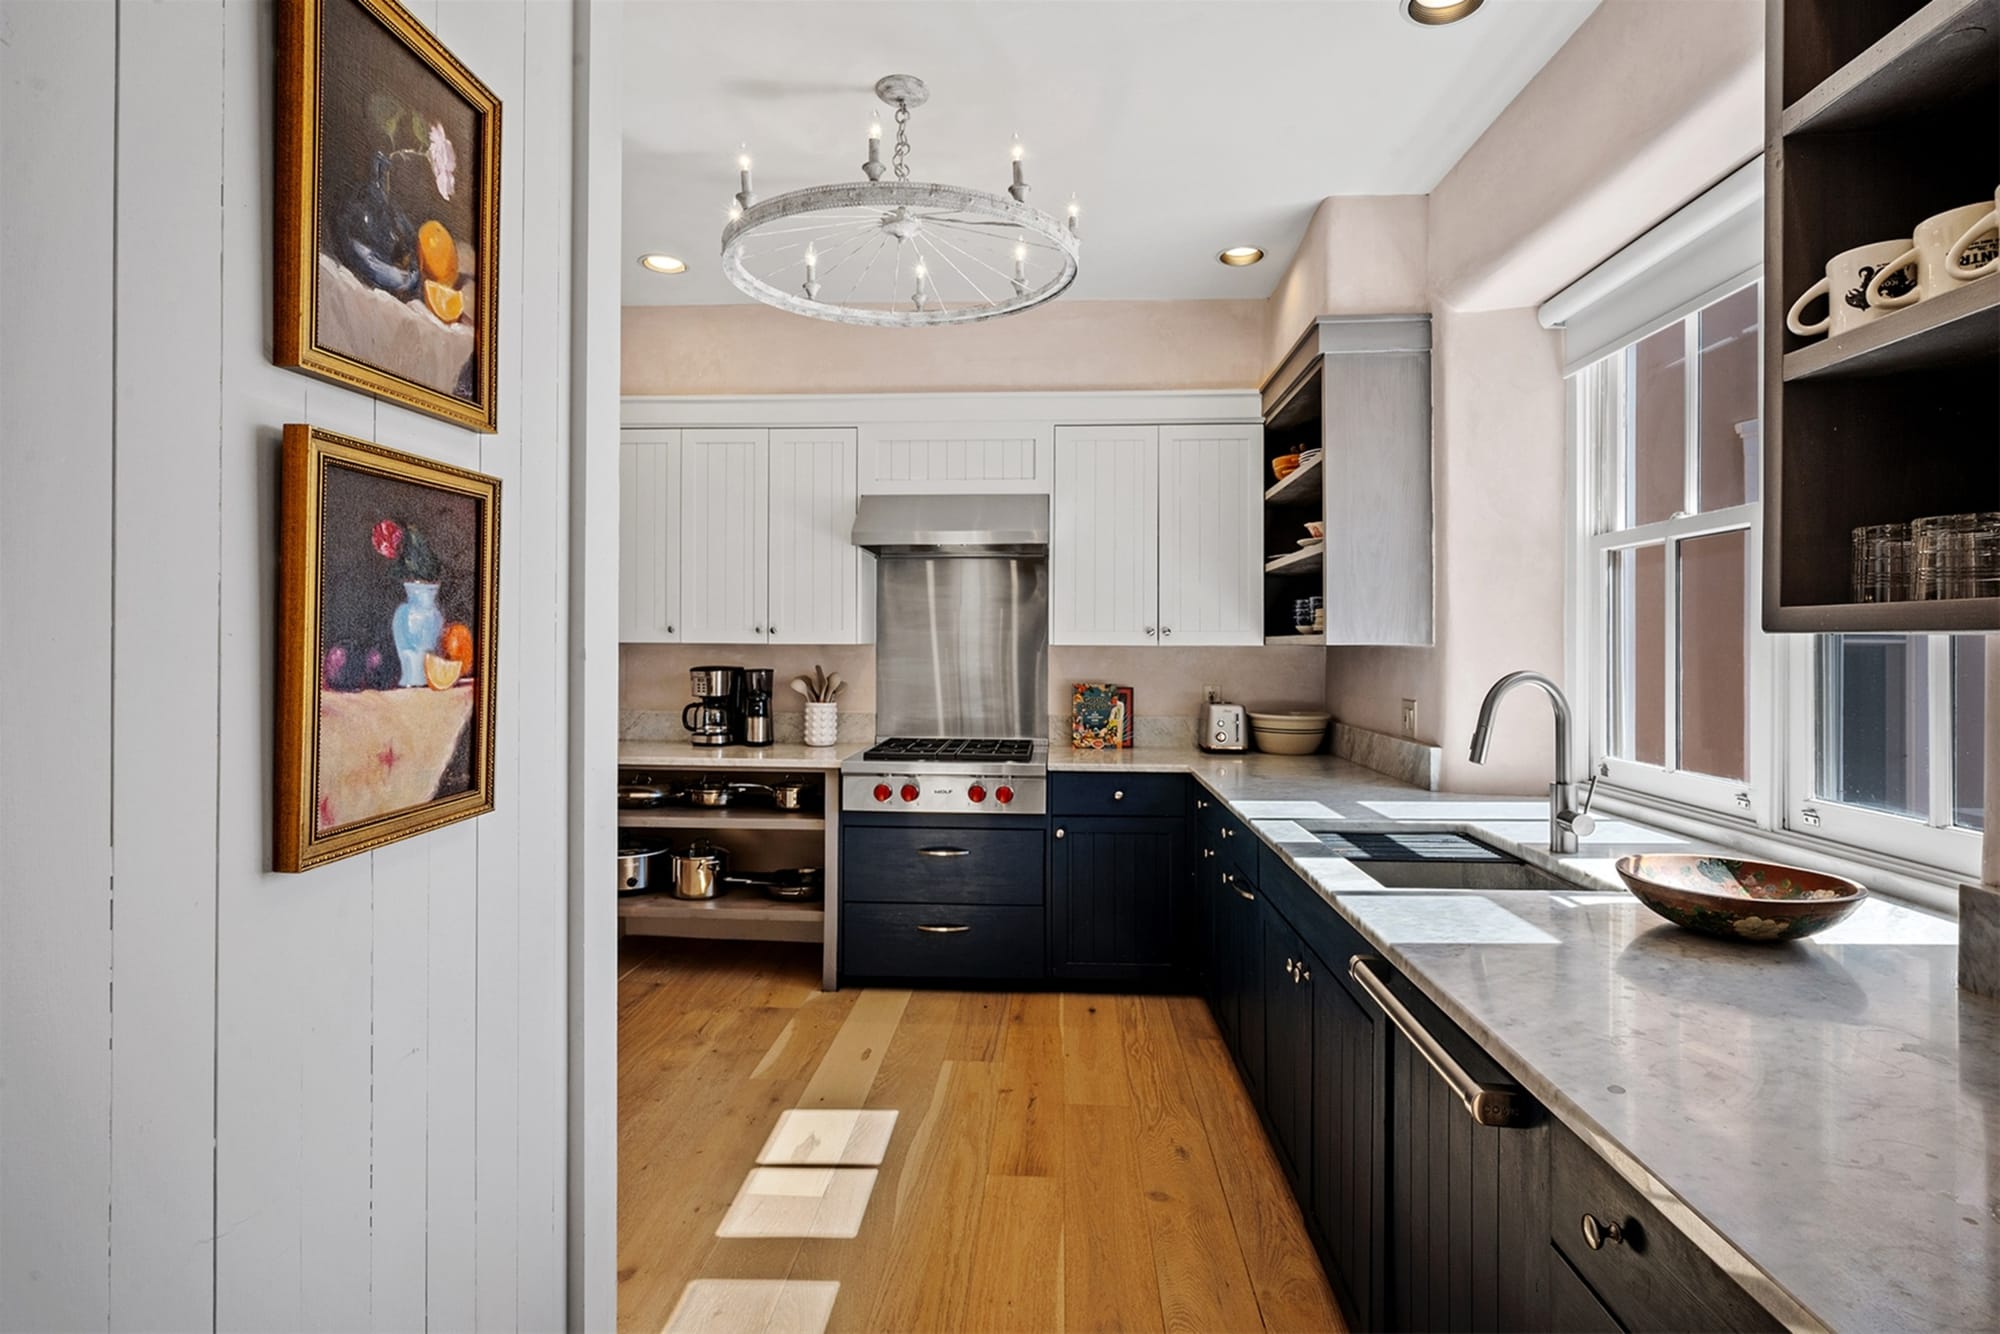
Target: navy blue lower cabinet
{"points": [[924, 899], [1117, 898], [1286, 979]]}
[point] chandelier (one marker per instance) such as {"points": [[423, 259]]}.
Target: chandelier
{"points": [[898, 253]]}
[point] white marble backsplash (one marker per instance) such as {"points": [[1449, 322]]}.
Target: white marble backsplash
{"points": [[1148, 731], [1979, 939], [1399, 757]]}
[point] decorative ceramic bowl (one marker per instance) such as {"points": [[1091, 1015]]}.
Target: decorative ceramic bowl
{"points": [[1740, 900], [1284, 466]]}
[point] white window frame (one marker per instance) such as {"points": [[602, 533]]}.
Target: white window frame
{"points": [[1776, 803]]}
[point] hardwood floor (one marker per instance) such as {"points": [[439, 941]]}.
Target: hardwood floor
{"points": [[1057, 1162]]}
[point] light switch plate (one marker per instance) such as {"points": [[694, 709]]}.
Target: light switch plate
{"points": [[1409, 718]]}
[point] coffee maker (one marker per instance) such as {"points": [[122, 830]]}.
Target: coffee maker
{"points": [[753, 711], [711, 719]]}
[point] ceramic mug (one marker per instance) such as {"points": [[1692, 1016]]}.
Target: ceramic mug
{"points": [[1963, 260], [1849, 274], [1936, 238]]}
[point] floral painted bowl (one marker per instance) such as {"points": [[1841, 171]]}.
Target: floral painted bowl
{"points": [[1740, 900]]}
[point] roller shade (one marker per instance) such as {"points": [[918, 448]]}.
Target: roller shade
{"points": [[1711, 245]]}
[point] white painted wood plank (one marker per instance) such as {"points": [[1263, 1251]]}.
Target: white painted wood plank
{"points": [[1104, 536], [1211, 535], [164, 700], [56, 219], [814, 564], [725, 556]]}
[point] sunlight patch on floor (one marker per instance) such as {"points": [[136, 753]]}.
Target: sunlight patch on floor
{"points": [[820, 1137], [753, 1306]]}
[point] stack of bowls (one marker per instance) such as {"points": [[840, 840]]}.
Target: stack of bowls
{"points": [[1957, 555], [1289, 733]]}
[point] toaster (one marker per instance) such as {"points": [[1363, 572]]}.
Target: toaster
{"points": [[1222, 728]]}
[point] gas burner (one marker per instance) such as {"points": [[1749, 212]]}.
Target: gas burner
{"points": [[1004, 749]]}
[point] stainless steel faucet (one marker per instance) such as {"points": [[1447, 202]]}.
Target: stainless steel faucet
{"points": [[1568, 821]]}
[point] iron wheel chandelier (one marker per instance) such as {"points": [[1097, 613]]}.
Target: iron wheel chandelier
{"points": [[898, 253]]}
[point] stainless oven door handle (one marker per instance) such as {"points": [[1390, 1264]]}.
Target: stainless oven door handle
{"points": [[944, 852], [1490, 1104], [951, 930]]}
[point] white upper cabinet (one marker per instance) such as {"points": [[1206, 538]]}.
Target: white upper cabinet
{"points": [[816, 570], [989, 455], [1104, 559], [1156, 534], [649, 509], [725, 536], [1211, 534]]}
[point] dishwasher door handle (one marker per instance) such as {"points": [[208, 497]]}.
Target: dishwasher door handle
{"points": [[1501, 1105]]}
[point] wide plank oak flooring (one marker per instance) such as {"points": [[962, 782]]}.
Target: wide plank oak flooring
{"points": [[1059, 1162]]}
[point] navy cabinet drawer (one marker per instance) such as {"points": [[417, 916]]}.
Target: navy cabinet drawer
{"points": [[882, 864], [1119, 794], [941, 940]]}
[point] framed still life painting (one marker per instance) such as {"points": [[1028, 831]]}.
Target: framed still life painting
{"points": [[388, 210], [389, 604]]}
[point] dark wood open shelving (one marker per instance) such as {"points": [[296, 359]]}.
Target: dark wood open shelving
{"points": [[1879, 114]]}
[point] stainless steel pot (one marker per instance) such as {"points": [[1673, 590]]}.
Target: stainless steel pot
{"points": [[642, 796], [699, 871], [799, 884], [792, 794], [635, 869], [711, 794]]}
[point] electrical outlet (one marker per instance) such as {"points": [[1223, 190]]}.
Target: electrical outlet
{"points": [[1211, 695], [1409, 718]]}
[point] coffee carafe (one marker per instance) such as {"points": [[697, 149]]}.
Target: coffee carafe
{"points": [[754, 715], [710, 719]]}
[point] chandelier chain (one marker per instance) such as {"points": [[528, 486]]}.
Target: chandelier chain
{"points": [[902, 153]]}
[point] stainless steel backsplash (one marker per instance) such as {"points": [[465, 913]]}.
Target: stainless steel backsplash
{"points": [[961, 646]]}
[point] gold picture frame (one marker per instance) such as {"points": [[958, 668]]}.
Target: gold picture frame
{"points": [[387, 620], [388, 210]]}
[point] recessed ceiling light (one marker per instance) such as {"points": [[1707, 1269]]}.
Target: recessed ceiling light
{"points": [[659, 263], [1437, 13], [1239, 255]]}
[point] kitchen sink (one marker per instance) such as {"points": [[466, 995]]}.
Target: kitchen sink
{"points": [[1466, 875]]}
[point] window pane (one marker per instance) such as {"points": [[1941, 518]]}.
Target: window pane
{"points": [[1731, 456], [1656, 459], [1968, 731], [1638, 651], [1874, 722], [1715, 653]]}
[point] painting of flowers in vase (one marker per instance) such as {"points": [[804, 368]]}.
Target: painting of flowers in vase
{"points": [[387, 620], [388, 207]]}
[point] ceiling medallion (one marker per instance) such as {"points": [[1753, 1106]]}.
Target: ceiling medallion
{"points": [[898, 253]]}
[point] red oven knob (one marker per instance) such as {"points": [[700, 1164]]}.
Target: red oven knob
{"points": [[976, 792], [882, 792], [909, 792], [1003, 794]]}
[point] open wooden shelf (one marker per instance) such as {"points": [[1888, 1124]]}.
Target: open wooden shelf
{"points": [[718, 818], [1948, 616], [1869, 104], [1306, 560], [735, 916], [1960, 325], [1317, 639], [1301, 487], [1936, 54]]}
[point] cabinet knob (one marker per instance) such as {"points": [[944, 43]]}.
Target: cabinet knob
{"points": [[1149, 632], [1166, 630], [1118, 795], [774, 629], [1199, 804], [1598, 1235], [1059, 833], [756, 629], [670, 629]]}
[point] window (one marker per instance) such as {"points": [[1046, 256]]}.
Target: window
{"points": [[1873, 742]]}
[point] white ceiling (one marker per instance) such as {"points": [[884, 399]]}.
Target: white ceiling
{"points": [[1182, 127]]}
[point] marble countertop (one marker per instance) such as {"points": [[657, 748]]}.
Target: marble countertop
{"points": [[682, 755], [1823, 1117]]}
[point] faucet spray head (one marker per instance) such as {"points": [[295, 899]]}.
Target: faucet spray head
{"points": [[1481, 735]]}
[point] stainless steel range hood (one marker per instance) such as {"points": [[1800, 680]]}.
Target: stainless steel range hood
{"points": [[989, 525]]}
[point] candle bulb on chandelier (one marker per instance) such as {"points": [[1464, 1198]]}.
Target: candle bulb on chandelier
{"points": [[872, 168], [812, 274], [744, 197], [1020, 270], [918, 296], [1019, 189], [1074, 209]]}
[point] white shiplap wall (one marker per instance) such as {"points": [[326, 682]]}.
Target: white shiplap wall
{"points": [[234, 1099]]}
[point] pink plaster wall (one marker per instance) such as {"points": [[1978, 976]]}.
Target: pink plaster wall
{"points": [[754, 349], [1361, 255], [1646, 105], [1500, 468]]}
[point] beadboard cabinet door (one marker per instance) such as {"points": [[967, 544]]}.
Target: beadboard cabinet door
{"points": [[816, 570], [725, 536], [1104, 562], [649, 521], [1211, 529]]}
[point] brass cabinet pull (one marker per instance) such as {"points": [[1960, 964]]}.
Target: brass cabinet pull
{"points": [[1598, 1235], [1490, 1104], [1229, 879], [950, 930], [944, 852]]}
